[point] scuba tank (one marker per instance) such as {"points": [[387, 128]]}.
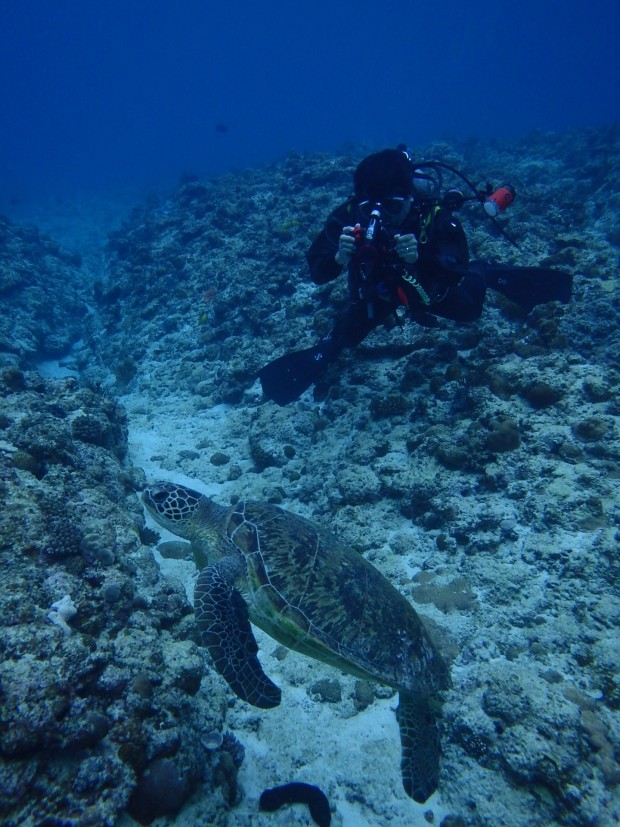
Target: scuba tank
{"points": [[427, 181]]}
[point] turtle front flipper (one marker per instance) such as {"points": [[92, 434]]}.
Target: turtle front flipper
{"points": [[222, 617], [420, 745]]}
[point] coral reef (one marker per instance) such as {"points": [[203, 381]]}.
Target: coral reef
{"points": [[40, 284], [476, 466], [99, 672]]}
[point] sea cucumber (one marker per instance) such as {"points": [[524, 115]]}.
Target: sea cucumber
{"points": [[298, 793]]}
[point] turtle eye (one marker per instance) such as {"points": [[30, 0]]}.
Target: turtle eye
{"points": [[159, 496]]}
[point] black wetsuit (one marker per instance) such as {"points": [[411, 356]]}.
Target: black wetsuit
{"points": [[439, 282], [442, 282]]}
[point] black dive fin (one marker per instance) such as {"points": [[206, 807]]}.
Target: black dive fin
{"points": [[527, 286], [286, 378]]}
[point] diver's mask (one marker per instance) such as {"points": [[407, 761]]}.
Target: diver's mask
{"points": [[393, 210]]}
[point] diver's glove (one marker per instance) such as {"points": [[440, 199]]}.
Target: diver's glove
{"points": [[407, 248], [346, 245]]}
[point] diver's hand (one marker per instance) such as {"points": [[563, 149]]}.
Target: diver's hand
{"points": [[346, 245], [407, 248]]}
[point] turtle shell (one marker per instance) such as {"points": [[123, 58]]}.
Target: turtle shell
{"points": [[314, 594]]}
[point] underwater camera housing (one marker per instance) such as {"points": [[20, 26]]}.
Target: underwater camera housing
{"points": [[375, 246]]}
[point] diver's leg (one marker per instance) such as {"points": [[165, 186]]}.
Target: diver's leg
{"points": [[353, 325], [462, 302], [286, 378]]}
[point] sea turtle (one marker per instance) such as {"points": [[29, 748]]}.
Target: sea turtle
{"points": [[310, 592]]}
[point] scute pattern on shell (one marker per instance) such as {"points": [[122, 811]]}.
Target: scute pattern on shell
{"points": [[309, 584]]}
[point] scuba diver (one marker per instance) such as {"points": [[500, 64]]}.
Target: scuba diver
{"points": [[402, 246]]}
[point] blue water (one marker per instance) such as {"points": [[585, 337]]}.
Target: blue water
{"points": [[125, 93]]}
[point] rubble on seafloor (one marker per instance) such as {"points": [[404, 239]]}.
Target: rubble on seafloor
{"points": [[476, 466]]}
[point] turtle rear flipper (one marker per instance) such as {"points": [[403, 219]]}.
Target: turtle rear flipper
{"points": [[420, 745], [222, 617]]}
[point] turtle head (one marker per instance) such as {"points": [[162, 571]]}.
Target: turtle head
{"points": [[171, 505]]}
